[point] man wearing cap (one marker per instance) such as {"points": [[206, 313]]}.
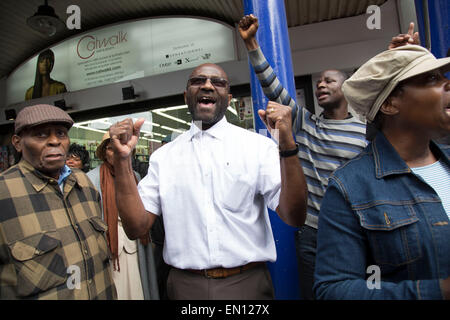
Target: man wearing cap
{"points": [[384, 225], [52, 237]]}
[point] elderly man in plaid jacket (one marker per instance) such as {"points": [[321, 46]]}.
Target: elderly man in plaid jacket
{"points": [[52, 237]]}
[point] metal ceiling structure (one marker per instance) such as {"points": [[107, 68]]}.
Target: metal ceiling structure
{"points": [[19, 42]]}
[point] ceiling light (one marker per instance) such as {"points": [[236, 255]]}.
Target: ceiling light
{"points": [[45, 21], [10, 114], [172, 129], [162, 114], [87, 128], [231, 109], [184, 106]]}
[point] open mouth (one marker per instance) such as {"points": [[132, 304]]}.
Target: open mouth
{"points": [[322, 95], [206, 102]]}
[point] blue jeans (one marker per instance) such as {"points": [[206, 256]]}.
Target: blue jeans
{"points": [[305, 243]]}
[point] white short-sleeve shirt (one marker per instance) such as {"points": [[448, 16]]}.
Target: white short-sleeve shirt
{"points": [[213, 188]]}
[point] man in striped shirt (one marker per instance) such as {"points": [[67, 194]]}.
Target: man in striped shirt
{"points": [[325, 142]]}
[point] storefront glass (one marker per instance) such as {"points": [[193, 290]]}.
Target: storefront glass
{"points": [[163, 123]]}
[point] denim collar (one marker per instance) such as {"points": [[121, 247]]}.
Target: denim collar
{"points": [[388, 161]]}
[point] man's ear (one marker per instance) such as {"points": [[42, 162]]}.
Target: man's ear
{"points": [[15, 140], [389, 106]]}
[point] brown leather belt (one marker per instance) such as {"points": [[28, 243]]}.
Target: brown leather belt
{"points": [[217, 273]]}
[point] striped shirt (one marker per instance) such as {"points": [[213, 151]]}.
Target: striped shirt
{"points": [[437, 176], [52, 243], [324, 144]]}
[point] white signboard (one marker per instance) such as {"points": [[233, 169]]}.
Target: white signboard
{"points": [[128, 51]]}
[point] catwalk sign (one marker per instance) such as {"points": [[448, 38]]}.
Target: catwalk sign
{"points": [[128, 51]]}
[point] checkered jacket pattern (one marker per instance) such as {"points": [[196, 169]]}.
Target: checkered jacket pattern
{"points": [[52, 243]]}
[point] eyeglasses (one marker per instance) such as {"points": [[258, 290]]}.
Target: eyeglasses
{"points": [[200, 81]]}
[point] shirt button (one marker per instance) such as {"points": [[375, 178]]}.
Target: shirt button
{"points": [[85, 251], [89, 281]]}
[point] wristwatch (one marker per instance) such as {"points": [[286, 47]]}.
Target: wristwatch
{"points": [[289, 153]]}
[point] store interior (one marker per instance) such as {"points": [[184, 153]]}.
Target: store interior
{"points": [[167, 122]]}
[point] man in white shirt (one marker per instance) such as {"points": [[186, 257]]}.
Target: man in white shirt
{"points": [[213, 185]]}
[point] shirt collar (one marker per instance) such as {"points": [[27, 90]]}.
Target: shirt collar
{"points": [[65, 172], [388, 161], [322, 117], [218, 130], [37, 179]]}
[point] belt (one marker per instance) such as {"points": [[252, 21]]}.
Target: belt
{"points": [[217, 273]]}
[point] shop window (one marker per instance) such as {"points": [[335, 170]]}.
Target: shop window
{"points": [[161, 125]]}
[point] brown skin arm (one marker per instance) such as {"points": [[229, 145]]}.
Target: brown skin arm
{"points": [[294, 193], [248, 26], [403, 39], [136, 220]]}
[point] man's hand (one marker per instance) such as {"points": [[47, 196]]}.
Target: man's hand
{"points": [[124, 136], [403, 39], [278, 120], [248, 26]]}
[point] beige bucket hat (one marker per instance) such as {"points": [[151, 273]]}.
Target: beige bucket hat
{"points": [[373, 82]]}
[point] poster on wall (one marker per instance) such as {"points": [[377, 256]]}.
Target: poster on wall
{"points": [[122, 52], [44, 75]]}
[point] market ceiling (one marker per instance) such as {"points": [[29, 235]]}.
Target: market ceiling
{"points": [[19, 42]]}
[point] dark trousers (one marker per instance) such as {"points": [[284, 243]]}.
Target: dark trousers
{"points": [[252, 284], [306, 244], [162, 269]]}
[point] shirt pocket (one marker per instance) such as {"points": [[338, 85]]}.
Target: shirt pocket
{"points": [[39, 263], [238, 191], [393, 234], [100, 228]]}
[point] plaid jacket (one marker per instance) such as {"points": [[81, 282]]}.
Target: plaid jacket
{"points": [[52, 245]]}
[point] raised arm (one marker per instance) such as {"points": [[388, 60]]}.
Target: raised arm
{"points": [[135, 219], [271, 85], [294, 193]]}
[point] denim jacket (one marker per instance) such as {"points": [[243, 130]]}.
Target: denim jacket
{"points": [[378, 218]]}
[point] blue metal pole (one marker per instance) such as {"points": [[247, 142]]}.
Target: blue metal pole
{"points": [[273, 38], [439, 18]]}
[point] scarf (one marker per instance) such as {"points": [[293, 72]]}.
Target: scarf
{"points": [[111, 213]]}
